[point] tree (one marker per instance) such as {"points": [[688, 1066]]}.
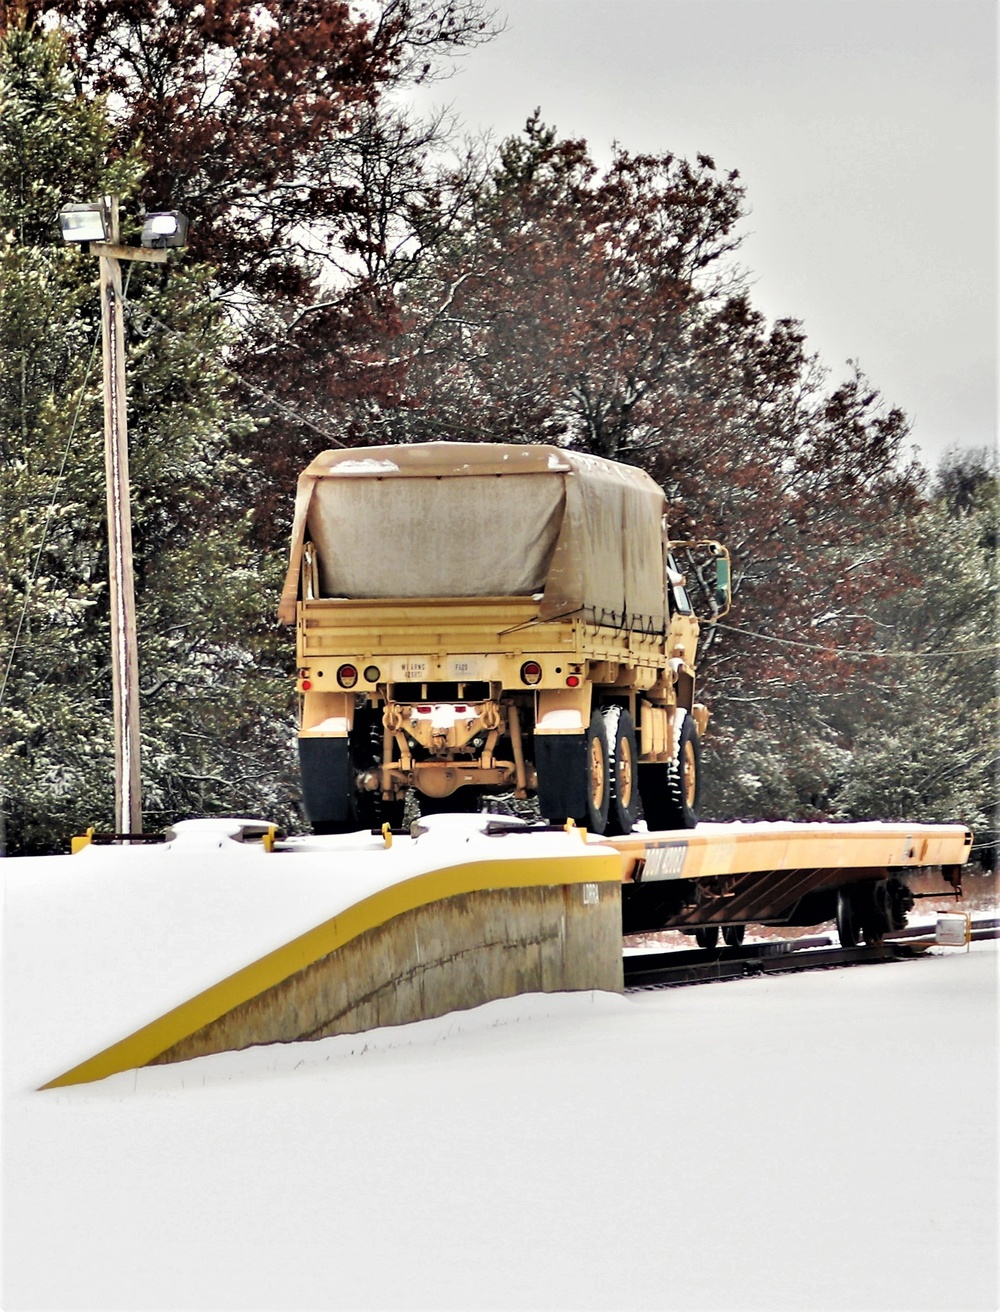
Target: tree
{"points": [[603, 310], [561, 301], [215, 703], [927, 749], [240, 106], [258, 121]]}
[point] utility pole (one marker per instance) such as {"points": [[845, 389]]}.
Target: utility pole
{"points": [[96, 227], [124, 646]]}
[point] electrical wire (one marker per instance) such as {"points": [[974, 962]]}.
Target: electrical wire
{"points": [[141, 312], [843, 651]]}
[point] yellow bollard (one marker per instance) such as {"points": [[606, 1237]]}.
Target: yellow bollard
{"points": [[81, 841]]}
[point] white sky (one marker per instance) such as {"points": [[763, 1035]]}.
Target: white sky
{"points": [[864, 130]]}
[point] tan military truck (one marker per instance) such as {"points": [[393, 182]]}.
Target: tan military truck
{"points": [[480, 617]]}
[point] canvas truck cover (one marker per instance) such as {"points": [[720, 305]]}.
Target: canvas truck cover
{"points": [[469, 519]]}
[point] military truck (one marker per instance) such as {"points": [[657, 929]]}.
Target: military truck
{"points": [[479, 617]]}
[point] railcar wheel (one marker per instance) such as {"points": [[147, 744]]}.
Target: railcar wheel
{"points": [[671, 792], [871, 913], [707, 936], [733, 935], [623, 755], [847, 925], [876, 913]]}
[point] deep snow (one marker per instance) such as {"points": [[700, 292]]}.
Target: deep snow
{"points": [[806, 1142]]}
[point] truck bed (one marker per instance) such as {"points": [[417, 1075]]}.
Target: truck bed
{"points": [[442, 626]]}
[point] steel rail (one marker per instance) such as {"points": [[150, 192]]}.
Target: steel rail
{"points": [[680, 966]]}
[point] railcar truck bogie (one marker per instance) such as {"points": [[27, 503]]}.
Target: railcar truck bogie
{"points": [[476, 617]]}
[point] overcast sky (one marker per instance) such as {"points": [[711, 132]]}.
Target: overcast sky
{"points": [[864, 130]]}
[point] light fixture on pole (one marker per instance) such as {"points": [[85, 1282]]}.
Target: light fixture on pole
{"points": [[97, 225], [164, 231], [85, 222]]}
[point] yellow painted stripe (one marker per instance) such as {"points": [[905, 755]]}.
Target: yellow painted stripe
{"points": [[141, 1047], [694, 855]]}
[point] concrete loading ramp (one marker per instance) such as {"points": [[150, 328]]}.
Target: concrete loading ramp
{"points": [[430, 925]]}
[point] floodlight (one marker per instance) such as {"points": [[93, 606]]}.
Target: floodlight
{"points": [[85, 222], [162, 230]]}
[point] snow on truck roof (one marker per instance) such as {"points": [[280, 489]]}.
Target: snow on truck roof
{"points": [[443, 519], [468, 459]]}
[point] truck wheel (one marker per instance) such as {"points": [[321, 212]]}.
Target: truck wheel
{"points": [[374, 812], [366, 754], [327, 784], [623, 755], [573, 777], [598, 778], [671, 792]]}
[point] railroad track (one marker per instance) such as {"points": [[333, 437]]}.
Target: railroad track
{"points": [[661, 970]]}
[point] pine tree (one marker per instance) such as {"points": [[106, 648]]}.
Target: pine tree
{"points": [[925, 740]]}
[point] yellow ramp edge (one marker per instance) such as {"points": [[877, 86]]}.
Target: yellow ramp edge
{"points": [[147, 1043]]}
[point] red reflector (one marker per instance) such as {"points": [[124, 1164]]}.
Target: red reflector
{"points": [[306, 685], [347, 676], [461, 710], [531, 672], [573, 681], [424, 710]]}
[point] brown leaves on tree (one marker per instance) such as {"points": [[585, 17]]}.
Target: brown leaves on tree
{"points": [[602, 310]]}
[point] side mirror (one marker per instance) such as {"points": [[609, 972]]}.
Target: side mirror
{"points": [[716, 593], [723, 590]]}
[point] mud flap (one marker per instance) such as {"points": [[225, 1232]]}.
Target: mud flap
{"points": [[561, 762], [327, 786]]}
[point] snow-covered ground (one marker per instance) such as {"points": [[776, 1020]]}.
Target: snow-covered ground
{"points": [[826, 1141]]}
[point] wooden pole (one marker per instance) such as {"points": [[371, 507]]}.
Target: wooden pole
{"points": [[124, 647]]}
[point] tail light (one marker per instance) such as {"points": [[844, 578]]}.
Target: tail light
{"points": [[531, 672], [372, 673], [347, 676]]}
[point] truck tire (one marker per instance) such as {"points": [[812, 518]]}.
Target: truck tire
{"points": [[327, 784], [573, 777], [623, 756], [670, 792]]}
